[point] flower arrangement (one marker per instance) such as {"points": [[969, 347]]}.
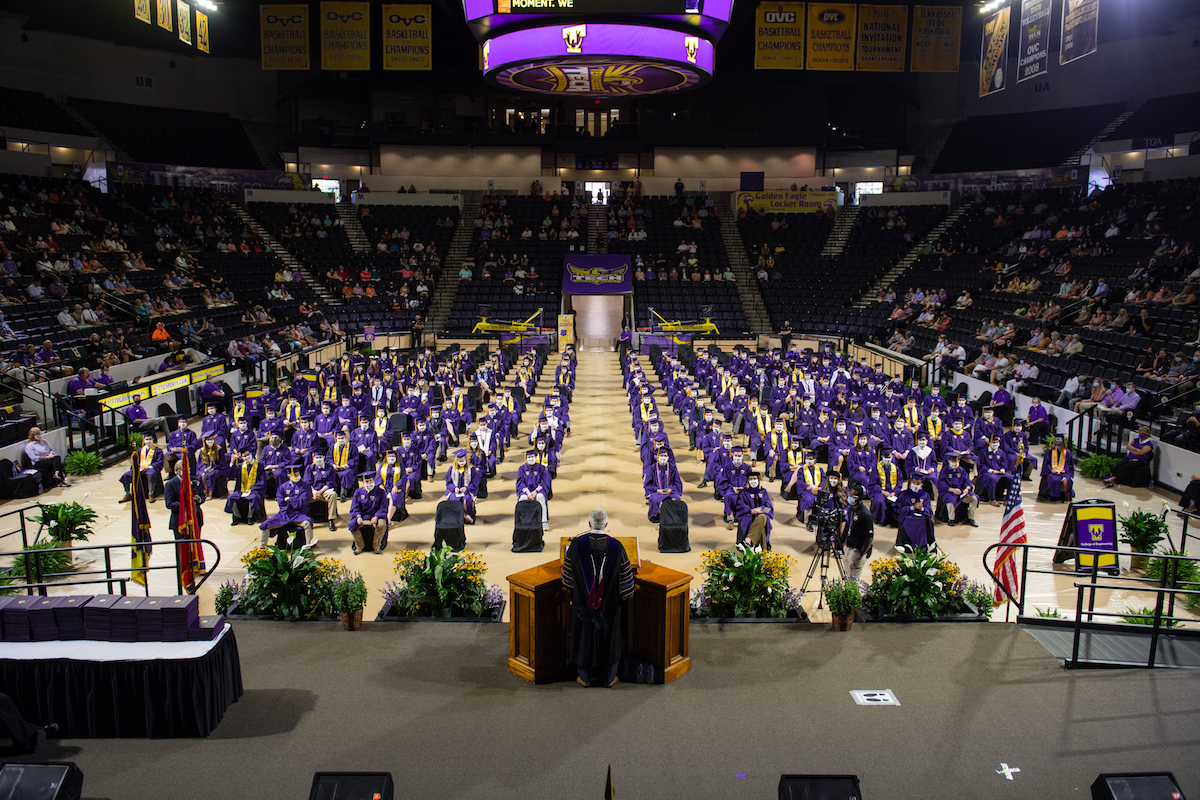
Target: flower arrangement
{"points": [[350, 593], [285, 583], [923, 584], [439, 583], [746, 582], [844, 596]]}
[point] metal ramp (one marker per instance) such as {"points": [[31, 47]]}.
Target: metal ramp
{"points": [[1101, 647]]}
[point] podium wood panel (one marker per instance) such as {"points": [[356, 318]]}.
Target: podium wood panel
{"points": [[661, 608], [539, 633]]}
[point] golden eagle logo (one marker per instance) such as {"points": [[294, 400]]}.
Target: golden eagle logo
{"points": [[597, 276], [573, 36], [693, 46]]}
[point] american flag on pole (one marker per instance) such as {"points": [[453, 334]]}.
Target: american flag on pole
{"points": [[1012, 532]]}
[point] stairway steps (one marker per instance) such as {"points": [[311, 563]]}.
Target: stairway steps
{"points": [[287, 257]]}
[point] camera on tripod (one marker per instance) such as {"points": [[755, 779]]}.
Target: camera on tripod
{"points": [[827, 520]]}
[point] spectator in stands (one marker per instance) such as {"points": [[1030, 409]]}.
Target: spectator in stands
{"points": [[1185, 433], [162, 337], [1134, 468], [1187, 297], [1072, 388], [43, 458], [1074, 347]]}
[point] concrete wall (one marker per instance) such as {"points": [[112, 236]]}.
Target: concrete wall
{"points": [[374, 198], [891, 199], [25, 163], [462, 168], [721, 169], [287, 196]]}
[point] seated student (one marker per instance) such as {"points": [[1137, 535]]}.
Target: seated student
{"points": [[862, 461], [807, 482], [363, 445], [885, 491], [730, 482], [533, 483], [995, 473], [142, 421], [425, 445], [212, 467], [369, 515], [754, 512], [341, 458], [462, 484], [410, 464], [305, 442], [1134, 468], [245, 500], [393, 482], [293, 498], [325, 484], [150, 461], [181, 443], [914, 518], [789, 467], [956, 493], [216, 424], [660, 481], [270, 424], [1015, 444], [1058, 472], [548, 459], [274, 460], [241, 443]]}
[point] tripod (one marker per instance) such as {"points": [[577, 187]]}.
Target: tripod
{"points": [[827, 546]]}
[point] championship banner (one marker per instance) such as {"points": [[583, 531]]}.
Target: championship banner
{"points": [[583, 274], [993, 53], [831, 30], [284, 31], [788, 202], [141, 10], [184, 13], [1035, 39], [970, 184], [201, 31], [164, 14], [882, 38], [566, 332], [217, 178], [937, 33], [407, 37], [345, 36], [1080, 18], [779, 36]]}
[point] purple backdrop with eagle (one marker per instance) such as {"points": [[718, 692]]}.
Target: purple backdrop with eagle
{"points": [[607, 274]]}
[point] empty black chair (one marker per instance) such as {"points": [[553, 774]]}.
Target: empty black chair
{"points": [[16, 485], [448, 525], [527, 527], [673, 527]]}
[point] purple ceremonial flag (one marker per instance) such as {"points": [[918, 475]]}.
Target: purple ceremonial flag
{"points": [[669, 342], [583, 274]]}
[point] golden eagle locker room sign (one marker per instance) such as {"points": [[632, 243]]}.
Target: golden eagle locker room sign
{"points": [[831, 29], [407, 37], [345, 36], [284, 30], [779, 36], [882, 36]]}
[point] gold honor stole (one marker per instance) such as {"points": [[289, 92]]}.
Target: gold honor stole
{"points": [[249, 475], [148, 456], [341, 456]]}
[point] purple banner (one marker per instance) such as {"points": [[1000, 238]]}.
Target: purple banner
{"points": [[584, 274], [222, 180], [669, 342], [969, 184], [524, 341]]}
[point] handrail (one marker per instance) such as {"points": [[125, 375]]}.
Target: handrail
{"points": [[34, 575], [1161, 593], [21, 386]]}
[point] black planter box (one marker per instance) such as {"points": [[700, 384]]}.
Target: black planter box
{"points": [[389, 614]]}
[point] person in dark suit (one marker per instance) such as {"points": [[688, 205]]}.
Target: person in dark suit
{"points": [[23, 733], [171, 498], [599, 577]]}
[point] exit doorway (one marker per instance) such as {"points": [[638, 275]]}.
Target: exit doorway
{"points": [[595, 188]]}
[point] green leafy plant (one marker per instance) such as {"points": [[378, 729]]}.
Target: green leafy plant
{"points": [[1145, 616], [50, 563], [1186, 576], [289, 584], [438, 583], [844, 596], [923, 584], [67, 522], [748, 582], [981, 597], [81, 462], [225, 596], [1048, 613], [350, 593], [1142, 530], [1097, 466], [132, 442]]}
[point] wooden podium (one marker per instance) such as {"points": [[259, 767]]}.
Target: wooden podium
{"points": [[540, 622]]}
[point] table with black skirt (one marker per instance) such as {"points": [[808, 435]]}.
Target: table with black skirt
{"points": [[127, 690]]}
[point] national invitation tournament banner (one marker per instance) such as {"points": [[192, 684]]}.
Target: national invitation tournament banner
{"points": [[831, 29], [407, 37], [284, 31], [779, 36], [584, 274], [993, 53], [882, 38], [345, 36], [937, 36], [788, 202], [1080, 19], [1034, 56]]}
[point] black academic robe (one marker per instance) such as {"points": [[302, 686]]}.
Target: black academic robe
{"points": [[596, 632], [171, 499]]}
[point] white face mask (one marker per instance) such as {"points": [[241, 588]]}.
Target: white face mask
{"points": [[182, 425], [753, 484], [833, 481], [319, 462], [662, 460], [530, 461], [391, 459], [841, 428], [862, 442], [737, 459]]}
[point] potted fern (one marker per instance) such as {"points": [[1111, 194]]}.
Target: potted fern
{"points": [[67, 522], [844, 598], [350, 597], [1142, 531]]}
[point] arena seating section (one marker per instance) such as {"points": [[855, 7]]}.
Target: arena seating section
{"points": [[1022, 141], [35, 111], [1161, 116], [171, 135]]}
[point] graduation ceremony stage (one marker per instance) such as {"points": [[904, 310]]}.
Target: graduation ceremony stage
{"points": [[435, 706]]}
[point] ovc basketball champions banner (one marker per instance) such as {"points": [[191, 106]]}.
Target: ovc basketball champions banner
{"points": [[779, 36], [831, 29], [882, 36], [936, 37], [141, 10], [993, 53], [1080, 19], [787, 202], [284, 30], [1035, 39], [407, 37], [584, 274], [345, 36]]}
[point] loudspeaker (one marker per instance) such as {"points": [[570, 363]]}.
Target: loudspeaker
{"points": [[1136, 786], [351, 786], [819, 787], [53, 780]]}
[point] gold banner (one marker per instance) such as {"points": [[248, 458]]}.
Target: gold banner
{"points": [[566, 331], [184, 13], [164, 14], [407, 37], [201, 31], [141, 10], [788, 202], [882, 38], [831, 29], [284, 31], [993, 53], [345, 36], [779, 36], [937, 31]]}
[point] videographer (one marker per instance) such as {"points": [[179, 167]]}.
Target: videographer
{"points": [[829, 512], [860, 531]]}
